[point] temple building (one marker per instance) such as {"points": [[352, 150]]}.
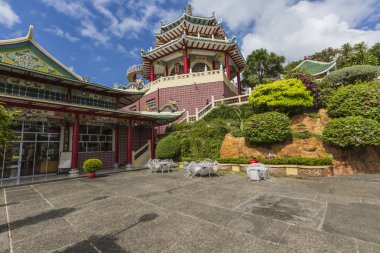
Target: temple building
{"points": [[317, 68], [64, 119], [193, 62]]}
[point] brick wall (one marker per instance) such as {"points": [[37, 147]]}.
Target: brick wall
{"points": [[106, 157], [188, 97]]}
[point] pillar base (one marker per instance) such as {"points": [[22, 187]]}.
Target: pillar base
{"points": [[129, 167], [73, 173]]}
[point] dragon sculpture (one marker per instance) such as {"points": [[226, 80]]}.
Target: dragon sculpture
{"points": [[172, 106], [136, 85]]}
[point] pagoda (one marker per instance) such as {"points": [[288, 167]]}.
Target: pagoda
{"points": [[193, 62]]}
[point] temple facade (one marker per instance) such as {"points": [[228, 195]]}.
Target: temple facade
{"points": [[193, 62], [65, 119]]}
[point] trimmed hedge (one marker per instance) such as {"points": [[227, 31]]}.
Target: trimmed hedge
{"points": [[272, 161], [356, 100], [92, 165], [351, 75], [169, 147], [267, 128], [352, 132]]}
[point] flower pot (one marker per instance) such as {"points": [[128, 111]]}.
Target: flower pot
{"points": [[91, 174]]}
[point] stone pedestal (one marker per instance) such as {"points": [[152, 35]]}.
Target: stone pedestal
{"points": [[128, 167], [73, 173]]}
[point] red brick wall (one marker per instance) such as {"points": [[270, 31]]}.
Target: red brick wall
{"points": [[188, 96], [106, 157]]}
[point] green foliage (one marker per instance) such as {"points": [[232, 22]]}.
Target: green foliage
{"points": [[309, 81], [92, 165], [291, 65], [226, 112], [352, 132], [267, 128], [323, 161], [262, 65], [326, 55], [178, 127], [356, 100], [359, 54], [305, 135], [169, 147], [288, 95], [206, 138], [375, 50], [350, 75], [6, 118]]}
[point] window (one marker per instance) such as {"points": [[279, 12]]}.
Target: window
{"points": [[85, 100], [20, 90], [151, 103], [95, 138], [177, 70], [200, 67]]}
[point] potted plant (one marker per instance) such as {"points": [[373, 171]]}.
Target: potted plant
{"points": [[91, 166]]}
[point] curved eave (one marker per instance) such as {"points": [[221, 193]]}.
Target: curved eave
{"points": [[193, 43], [133, 96], [191, 28], [186, 16], [41, 104], [329, 66], [7, 69], [29, 39]]}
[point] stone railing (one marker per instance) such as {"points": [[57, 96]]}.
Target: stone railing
{"points": [[217, 75], [238, 100]]}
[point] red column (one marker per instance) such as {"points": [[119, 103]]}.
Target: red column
{"points": [[185, 61], [151, 72], [117, 136], [75, 144], [213, 65], [152, 146], [227, 64], [238, 82], [166, 71], [129, 145]]}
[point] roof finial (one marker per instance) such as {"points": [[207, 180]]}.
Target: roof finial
{"points": [[30, 32], [189, 10]]}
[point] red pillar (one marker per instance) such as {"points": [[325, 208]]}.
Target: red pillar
{"points": [[227, 64], [69, 95], [117, 136], [151, 72], [166, 71], [129, 145], [213, 65], [238, 82], [75, 144], [152, 144], [185, 61]]}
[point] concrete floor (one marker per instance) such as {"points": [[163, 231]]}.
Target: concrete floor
{"points": [[144, 212]]}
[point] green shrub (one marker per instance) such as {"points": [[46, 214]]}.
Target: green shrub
{"points": [[178, 127], [305, 135], [351, 75], [169, 147], [206, 137], [226, 112], [289, 95], [271, 161], [352, 132], [267, 128], [356, 100], [92, 165]]}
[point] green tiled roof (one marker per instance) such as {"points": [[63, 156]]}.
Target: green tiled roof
{"points": [[316, 67]]}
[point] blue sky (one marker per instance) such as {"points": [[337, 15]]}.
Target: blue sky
{"points": [[102, 38]]}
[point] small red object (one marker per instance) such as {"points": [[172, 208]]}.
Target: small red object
{"points": [[91, 174], [254, 161]]}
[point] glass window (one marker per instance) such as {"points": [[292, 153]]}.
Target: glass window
{"points": [[106, 131], [97, 139]]}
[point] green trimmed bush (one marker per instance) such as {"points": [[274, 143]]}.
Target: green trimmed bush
{"points": [[352, 132], [356, 100], [351, 75], [226, 112], [289, 95], [323, 161], [267, 128], [169, 147], [92, 165]]}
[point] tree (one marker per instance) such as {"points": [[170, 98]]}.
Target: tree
{"points": [[326, 55], [351, 75], [6, 118], [375, 50], [289, 95], [262, 66], [291, 66], [359, 54]]}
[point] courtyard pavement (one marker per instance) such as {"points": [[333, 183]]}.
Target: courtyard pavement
{"points": [[144, 212]]}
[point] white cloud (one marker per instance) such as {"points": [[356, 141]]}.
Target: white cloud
{"points": [[106, 69], [60, 33], [72, 68], [7, 17], [294, 28], [73, 9], [99, 58], [121, 49], [89, 30]]}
